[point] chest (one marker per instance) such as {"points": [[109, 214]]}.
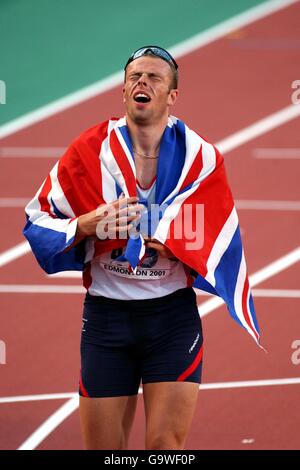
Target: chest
{"points": [[146, 172]]}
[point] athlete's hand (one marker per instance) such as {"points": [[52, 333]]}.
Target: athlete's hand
{"points": [[159, 247], [110, 220]]}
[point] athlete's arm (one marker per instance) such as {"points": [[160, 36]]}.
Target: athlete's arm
{"points": [[109, 220]]}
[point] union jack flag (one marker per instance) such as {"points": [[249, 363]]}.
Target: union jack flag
{"points": [[99, 166]]}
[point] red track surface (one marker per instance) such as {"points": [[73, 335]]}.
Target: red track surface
{"points": [[225, 86]]}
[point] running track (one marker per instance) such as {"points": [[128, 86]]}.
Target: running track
{"points": [[225, 87]]}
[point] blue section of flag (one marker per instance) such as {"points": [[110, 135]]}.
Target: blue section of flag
{"points": [[171, 160], [226, 275], [118, 190], [57, 212], [201, 283], [227, 271], [253, 314], [133, 250], [48, 246], [126, 136]]}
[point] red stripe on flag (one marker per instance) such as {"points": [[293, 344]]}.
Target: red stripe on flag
{"points": [[123, 163], [43, 197], [80, 168], [194, 171], [192, 367], [245, 306], [214, 193]]}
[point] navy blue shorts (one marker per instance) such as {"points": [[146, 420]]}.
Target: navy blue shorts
{"points": [[125, 342]]}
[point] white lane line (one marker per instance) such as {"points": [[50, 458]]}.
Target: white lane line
{"points": [[40, 289], [234, 23], [31, 152], [7, 202], [250, 383], [275, 267], [259, 128], [280, 293], [203, 386], [185, 47], [57, 106], [14, 253], [46, 428], [64, 289], [262, 275], [41, 397], [276, 293], [237, 139], [50, 424], [267, 205], [277, 153]]}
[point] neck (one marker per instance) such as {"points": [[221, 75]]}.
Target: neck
{"points": [[146, 138]]}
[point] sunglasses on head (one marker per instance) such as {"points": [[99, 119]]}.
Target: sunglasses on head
{"points": [[152, 50]]}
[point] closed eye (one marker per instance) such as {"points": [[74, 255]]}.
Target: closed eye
{"points": [[154, 76], [136, 76]]}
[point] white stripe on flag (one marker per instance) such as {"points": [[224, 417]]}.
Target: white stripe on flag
{"points": [[108, 160], [209, 164], [220, 246], [58, 195], [238, 297], [193, 146], [126, 149], [108, 184], [33, 208]]}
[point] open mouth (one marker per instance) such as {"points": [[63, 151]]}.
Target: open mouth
{"points": [[142, 98]]}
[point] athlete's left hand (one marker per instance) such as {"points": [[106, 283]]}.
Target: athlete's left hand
{"points": [[159, 247]]}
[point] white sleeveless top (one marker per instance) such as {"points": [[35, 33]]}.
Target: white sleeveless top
{"points": [[156, 276]]}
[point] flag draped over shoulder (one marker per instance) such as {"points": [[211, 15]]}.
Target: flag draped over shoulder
{"points": [[99, 166]]}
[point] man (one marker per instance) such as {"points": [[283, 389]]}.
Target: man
{"points": [[140, 319]]}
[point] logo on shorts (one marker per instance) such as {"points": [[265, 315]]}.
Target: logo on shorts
{"points": [[84, 320], [194, 343]]}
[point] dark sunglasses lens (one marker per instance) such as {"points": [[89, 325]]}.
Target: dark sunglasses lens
{"points": [[155, 51]]}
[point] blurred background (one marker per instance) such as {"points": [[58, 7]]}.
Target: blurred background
{"points": [[52, 48]]}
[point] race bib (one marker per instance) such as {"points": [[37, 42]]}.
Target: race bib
{"points": [[152, 267]]}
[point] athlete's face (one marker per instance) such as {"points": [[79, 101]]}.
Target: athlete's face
{"points": [[147, 90]]}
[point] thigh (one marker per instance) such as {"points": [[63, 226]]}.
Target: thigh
{"points": [[109, 363], [106, 422], [169, 409], [173, 349], [171, 373], [110, 376]]}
